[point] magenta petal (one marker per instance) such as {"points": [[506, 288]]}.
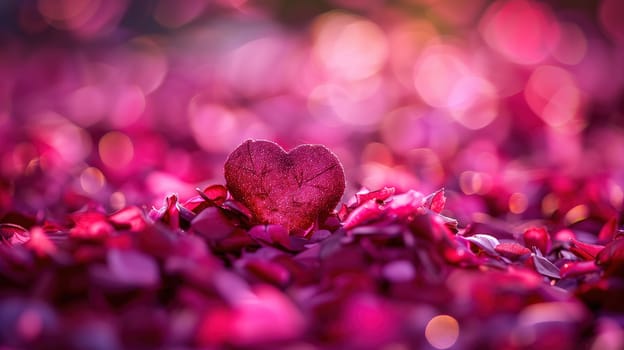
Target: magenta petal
{"points": [[133, 268], [91, 225], [585, 250], [379, 195], [12, 234], [436, 201], [130, 218], [216, 194], [405, 204], [211, 223], [512, 250], [608, 230], [276, 235], [612, 257], [268, 271], [575, 269], [368, 211]]}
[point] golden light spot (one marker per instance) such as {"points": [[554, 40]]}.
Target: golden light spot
{"points": [[116, 150], [550, 204], [92, 180], [576, 214], [472, 182], [442, 331], [616, 195], [518, 203], [117, 200], [468, 182], [437, 74], [348, 46], [473, 102], [377, 152]]}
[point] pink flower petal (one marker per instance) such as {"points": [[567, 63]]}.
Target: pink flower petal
{"points": [[512, 250]]}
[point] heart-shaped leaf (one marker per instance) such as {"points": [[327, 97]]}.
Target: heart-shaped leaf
{"points": [[290, 189]]}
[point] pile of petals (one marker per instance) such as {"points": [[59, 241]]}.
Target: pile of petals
{"points": [[386, 270]]}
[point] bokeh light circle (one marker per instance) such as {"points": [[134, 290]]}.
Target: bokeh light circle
{"points": [[524, 31], [442, 331], [349, 47]]}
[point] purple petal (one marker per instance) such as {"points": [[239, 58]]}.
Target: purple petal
{"points": [[133, 268]]}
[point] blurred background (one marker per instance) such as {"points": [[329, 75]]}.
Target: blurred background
{"points": [[514, 106]]}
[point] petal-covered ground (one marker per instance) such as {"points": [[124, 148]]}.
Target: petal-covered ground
{"points": [[386, 271]]}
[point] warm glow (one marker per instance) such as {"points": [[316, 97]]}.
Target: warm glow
{"points": [[524, 31], [616, 195], [70, 142], [217, 128], [128, 106], [404, 128], [552, 93], [576, 214], [518, 203], [473, 102], [377, 152], [116, 150], [472, 182], [350, 47], [442, 331], [426, 164], [87, 105], [117, 200], [437, 74], [406, 41], [92, 180], [550, 204], [146, 63], [360, 104]]}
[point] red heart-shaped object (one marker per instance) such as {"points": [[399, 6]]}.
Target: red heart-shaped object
{"points": [[291, 189]]}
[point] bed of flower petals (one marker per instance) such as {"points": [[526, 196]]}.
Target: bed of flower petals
{"points": [[386, 271]]}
